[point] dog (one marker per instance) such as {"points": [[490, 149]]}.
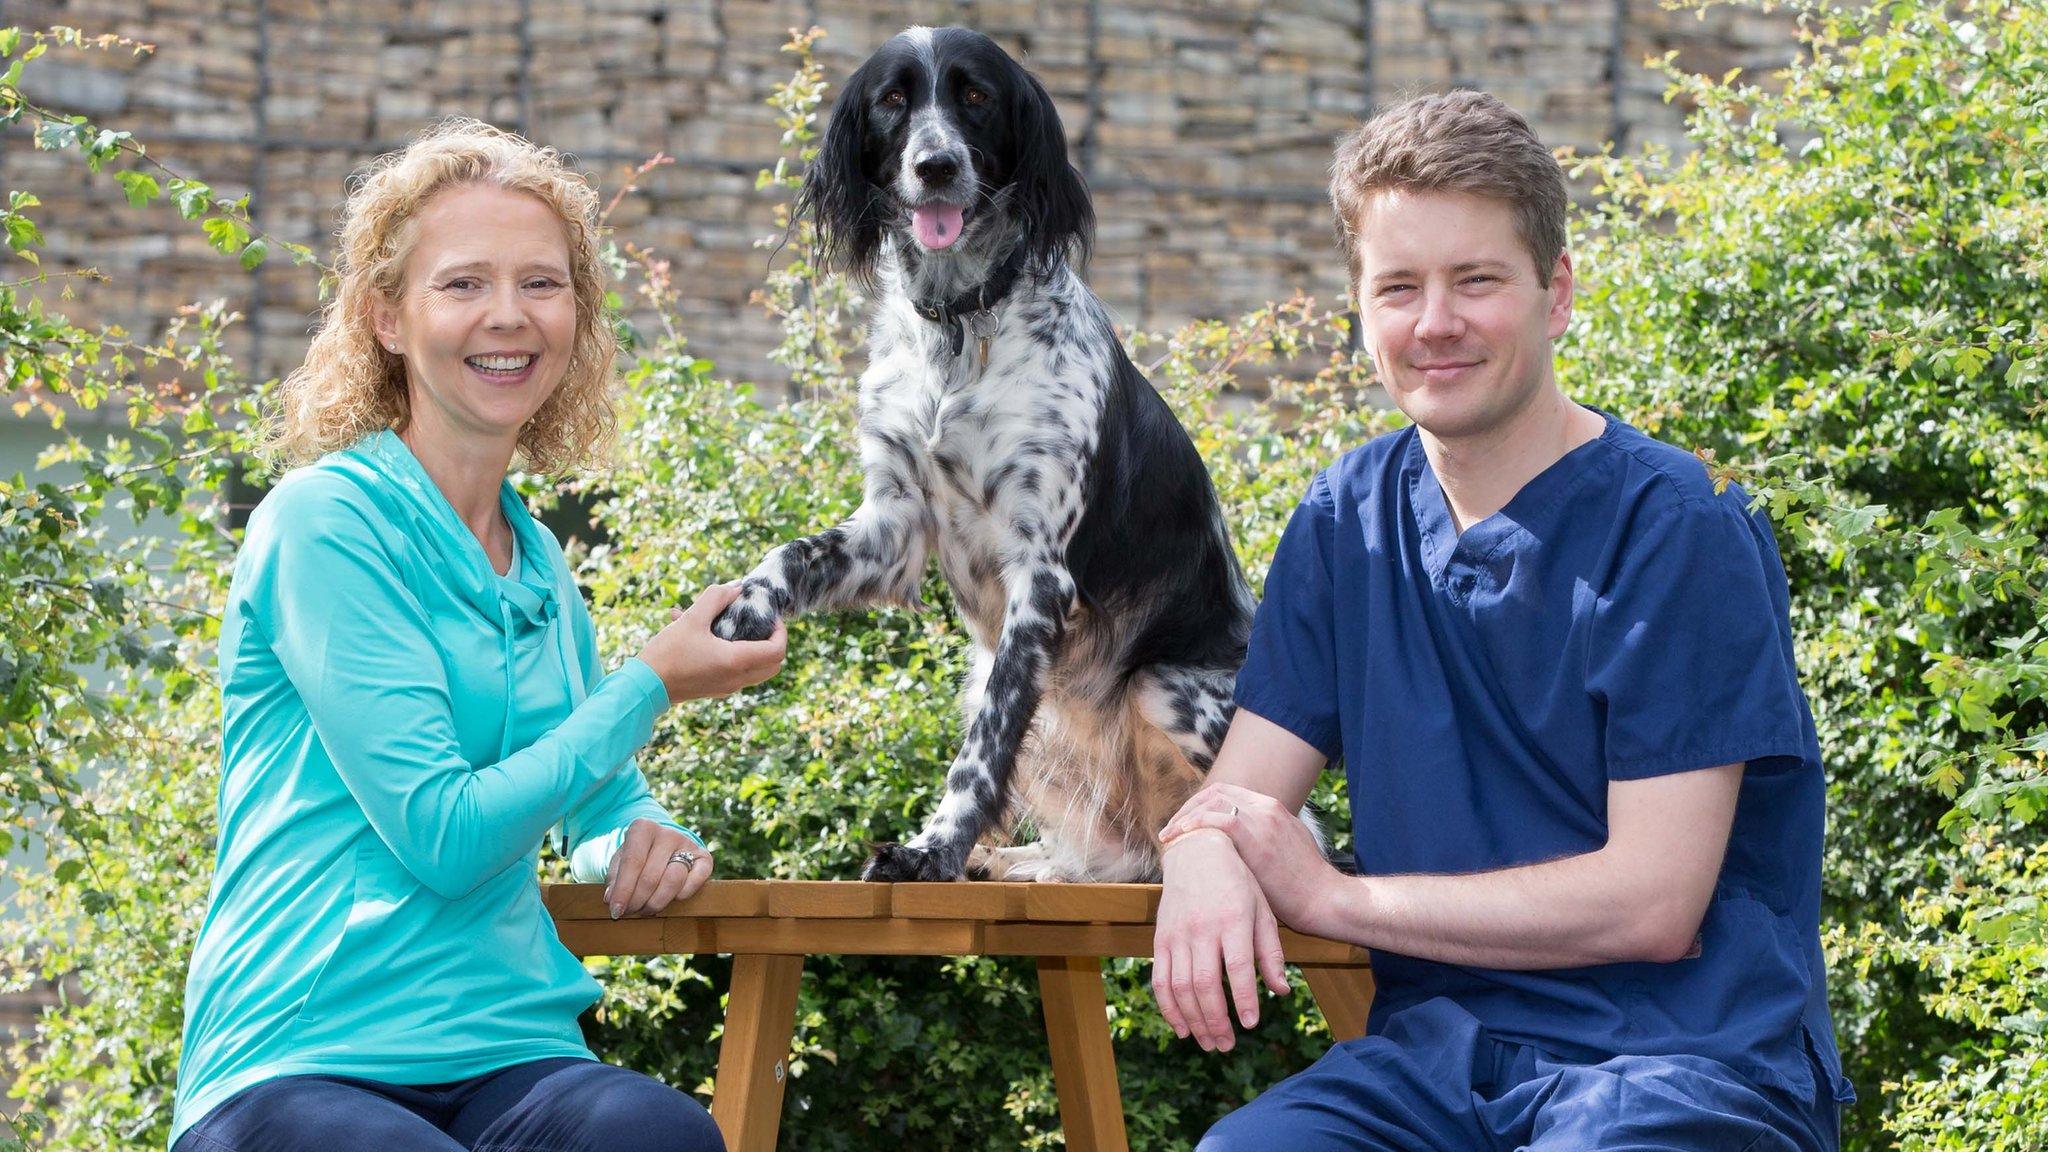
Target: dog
{"points": [[1004, 430]]}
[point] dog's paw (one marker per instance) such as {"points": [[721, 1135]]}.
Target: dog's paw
{"points": [[893, 862], [751, 617]]}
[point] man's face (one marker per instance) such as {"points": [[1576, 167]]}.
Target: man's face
{"points": [[1457, 323]]}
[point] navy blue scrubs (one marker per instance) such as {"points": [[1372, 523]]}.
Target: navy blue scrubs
{"points": [[1617, 620]]}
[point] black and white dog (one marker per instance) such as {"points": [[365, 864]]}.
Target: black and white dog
{"points": [[1003, 428]]}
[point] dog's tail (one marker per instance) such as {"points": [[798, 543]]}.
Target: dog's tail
{"points": [[1341, 859]]}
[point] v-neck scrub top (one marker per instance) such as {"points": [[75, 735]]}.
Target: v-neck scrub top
{"points": [[1617, 620], [401, 725]]}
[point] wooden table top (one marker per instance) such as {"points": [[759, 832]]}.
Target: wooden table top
{"points": [[806, 917]]}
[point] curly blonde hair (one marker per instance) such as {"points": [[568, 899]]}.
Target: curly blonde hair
{"points": [[350, 386]]}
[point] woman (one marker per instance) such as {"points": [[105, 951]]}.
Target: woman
{"points": [[411, 699]]}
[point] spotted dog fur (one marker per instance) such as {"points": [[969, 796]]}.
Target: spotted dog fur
{"points": [[1066, 507]]}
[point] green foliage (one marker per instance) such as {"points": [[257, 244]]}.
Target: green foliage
{"points": [[1982, 937], [108, 716], [1838, 294]]}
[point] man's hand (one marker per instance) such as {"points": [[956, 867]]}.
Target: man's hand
{"points": [[1298, 883], [1213, 922], [644, 879]]}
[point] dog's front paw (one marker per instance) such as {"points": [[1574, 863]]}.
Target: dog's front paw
{"points": [[893, 862], [751, 617]]}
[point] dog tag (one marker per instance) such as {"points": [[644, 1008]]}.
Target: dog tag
{"points": [[982, 342]]}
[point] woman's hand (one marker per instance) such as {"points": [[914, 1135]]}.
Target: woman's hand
{"points": [[1213, 922], [644, 877], [693, 663]]}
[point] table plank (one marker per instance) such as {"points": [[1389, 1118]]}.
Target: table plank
{"points": [[1344, 995], [716, 898], [915, 900], [760, 1017], [1105, 903], [827, 898], [1083, 1064]]}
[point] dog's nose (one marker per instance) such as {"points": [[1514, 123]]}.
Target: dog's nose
{"points": [[938, 168]]}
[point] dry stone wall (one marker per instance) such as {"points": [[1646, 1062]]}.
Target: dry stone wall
{"points": [[1203, 127]]}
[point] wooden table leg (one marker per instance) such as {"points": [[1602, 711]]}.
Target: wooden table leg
{"points": [[753, 1059], [1344, 995], [1083, 1066]]}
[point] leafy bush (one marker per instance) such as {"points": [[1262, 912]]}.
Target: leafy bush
{"points": [[1841, 289], [108, 714]]}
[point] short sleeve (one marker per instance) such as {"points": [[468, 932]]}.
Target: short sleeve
{"points": [[1290, 672], [1690, 658]]}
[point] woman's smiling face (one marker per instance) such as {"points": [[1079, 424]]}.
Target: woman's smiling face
{"points": [[485, 317]]}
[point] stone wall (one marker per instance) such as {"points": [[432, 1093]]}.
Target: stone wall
{"points": [[19, 1012], [1204, 127]]}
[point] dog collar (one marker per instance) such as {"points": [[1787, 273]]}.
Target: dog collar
{"points": [[987, 295]]}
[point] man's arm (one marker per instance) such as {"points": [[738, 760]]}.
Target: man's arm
{"points": [[1641, 896], [1264, 757], [1213, 920]]}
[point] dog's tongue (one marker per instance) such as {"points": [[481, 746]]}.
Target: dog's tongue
{"points": [[936, 225]]}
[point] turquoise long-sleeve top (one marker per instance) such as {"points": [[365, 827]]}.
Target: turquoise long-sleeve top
{"points": [[401, 726]]}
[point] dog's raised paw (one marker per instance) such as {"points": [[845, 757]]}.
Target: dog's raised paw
{"points": [[894, 862], [747, 618]]}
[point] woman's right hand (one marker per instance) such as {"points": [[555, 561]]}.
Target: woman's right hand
{"points": [[693, 663], [1213, 922]]}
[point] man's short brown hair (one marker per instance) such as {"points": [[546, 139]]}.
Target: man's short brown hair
{"points": [[1461, 141]]}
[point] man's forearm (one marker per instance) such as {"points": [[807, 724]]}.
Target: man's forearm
{"points": [[1564, 913], [1641, 896]]}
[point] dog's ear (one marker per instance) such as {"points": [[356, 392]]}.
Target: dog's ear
{"points": [[837, 195], [1051, 199]]}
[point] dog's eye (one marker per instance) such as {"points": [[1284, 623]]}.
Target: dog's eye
{"points": [[893, 99], [974, 96]]}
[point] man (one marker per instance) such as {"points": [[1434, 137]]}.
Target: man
{"points": [[1558, 670]]}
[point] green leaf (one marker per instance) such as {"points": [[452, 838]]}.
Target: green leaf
{"points": [[191, 197], [141, 187], [22, 234], [54, 135], [254, 252], [228, 236]]}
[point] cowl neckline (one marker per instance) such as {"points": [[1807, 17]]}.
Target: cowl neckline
{"points": [[522, 605]]}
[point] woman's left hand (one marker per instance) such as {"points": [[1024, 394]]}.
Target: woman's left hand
{"points": [[645, 876]]}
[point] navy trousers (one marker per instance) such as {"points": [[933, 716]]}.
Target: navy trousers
{"points": [[1433, 1079], [563, 1105]]}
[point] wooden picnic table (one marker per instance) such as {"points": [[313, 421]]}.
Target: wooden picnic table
{"points": [[769, 926]]}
